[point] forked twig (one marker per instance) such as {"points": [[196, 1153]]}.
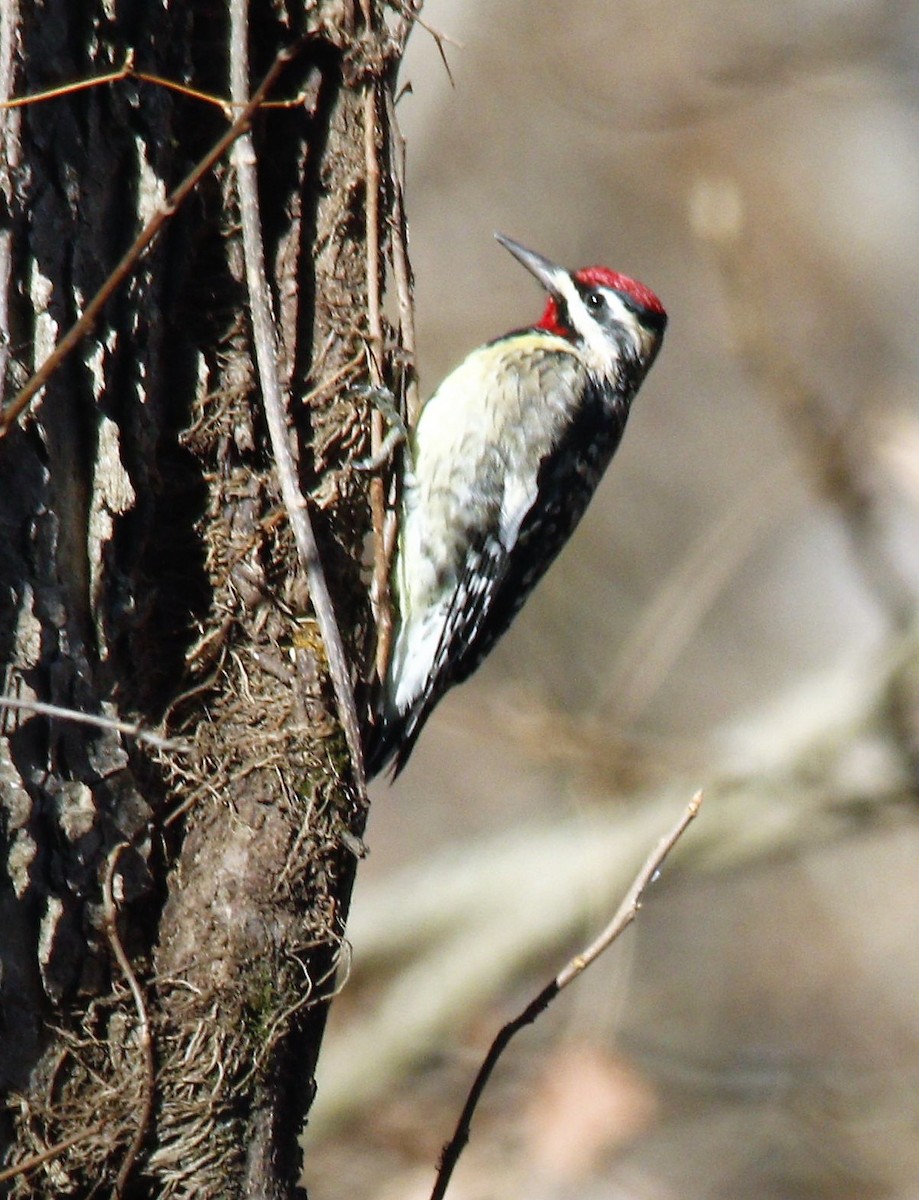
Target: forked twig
{"points": [[623, 917], [126, 71], [274, 399], [129, 71], [10, 414], [410, 17], [144, 1036]]}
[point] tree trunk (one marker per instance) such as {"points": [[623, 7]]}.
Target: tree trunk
{"points": [[172, 921]]}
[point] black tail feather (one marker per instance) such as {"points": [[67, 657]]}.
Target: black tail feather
{"points": [[381, 739], [389, 740]]}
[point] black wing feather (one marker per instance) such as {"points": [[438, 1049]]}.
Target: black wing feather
{"points": [[566, 482]]}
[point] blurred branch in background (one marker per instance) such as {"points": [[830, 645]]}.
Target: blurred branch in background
{"points": [[845, 449], [681, 604], [481, 917], [838, 445]]}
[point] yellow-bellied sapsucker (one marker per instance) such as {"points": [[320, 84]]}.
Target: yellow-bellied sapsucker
{"points": [[503, 461]]}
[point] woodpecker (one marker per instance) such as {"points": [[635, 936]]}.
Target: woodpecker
{"points": [[502, 463]]}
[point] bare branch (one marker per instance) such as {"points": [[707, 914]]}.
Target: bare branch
{"points": [[631, 903], [79, 85], [623, 917], [128, 71]]}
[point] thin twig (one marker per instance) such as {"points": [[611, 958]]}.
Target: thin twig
{"points": [[406, 22], [624, 916], [631, 902], [128, 71], [10, 414], [275, 400], [55, 1151], [402, 273], [402, 276], [410, 17], [144, 1035], [79, 85], [380, 586], [72, 714]]}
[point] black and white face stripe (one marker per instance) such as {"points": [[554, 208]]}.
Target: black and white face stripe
{"points": [[617, 320], [601, 301], [608, 323]]}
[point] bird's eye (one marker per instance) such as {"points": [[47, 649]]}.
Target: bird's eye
{"points": [[595, 301]]}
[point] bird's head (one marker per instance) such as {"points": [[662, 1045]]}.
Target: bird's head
{"points": [[616, 321]]}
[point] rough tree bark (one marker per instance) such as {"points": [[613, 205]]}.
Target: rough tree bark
{"points": [[147, 572]]}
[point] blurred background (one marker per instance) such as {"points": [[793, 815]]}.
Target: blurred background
{"points": [[736, 612]]}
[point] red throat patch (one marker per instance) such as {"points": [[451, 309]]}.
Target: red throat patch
{"points": [[549, 319]]}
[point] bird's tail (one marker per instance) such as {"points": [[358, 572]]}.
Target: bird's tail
{"points": [[381, 740], [389, 738]]}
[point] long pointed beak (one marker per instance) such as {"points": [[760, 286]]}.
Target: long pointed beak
{"points": [[549, 274]]}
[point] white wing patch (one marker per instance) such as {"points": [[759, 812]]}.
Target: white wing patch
{"points": [[413, 674], [440, 630], [519, 497]]}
